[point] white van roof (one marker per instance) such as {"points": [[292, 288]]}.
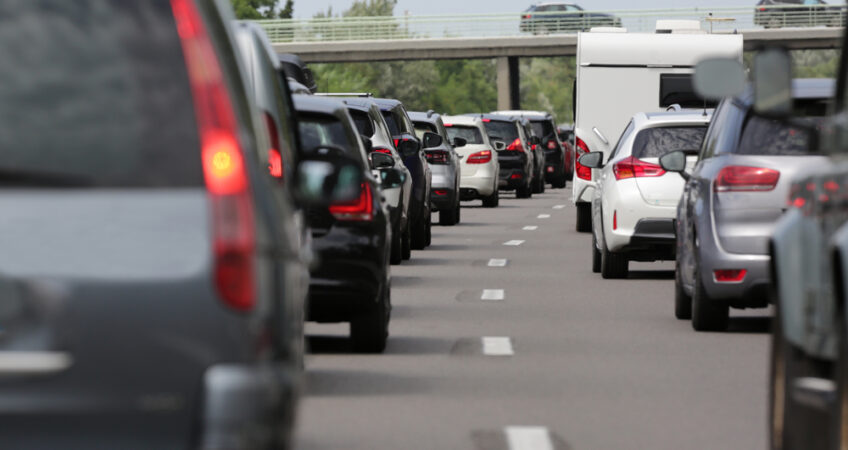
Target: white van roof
{"points": [[644, 49]]}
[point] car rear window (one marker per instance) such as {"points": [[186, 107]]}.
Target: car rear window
{"points": [[471, 134], [94, 93], [656, 142], [363, 122], [762, 136], [424, 127], [503, 131], [392, 123], [317, 130], [543, 128]]}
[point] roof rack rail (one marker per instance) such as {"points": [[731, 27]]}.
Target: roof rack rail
{"points": [[674, 107], [430, 113], [344, 94]]}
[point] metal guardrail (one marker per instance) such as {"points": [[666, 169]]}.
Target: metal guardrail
{"points": [[528, 24]]}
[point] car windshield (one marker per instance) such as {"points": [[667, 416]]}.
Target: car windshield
{"points": [[111, 111], [504, 131], [655, 142], [471, 135], [321, 130]]}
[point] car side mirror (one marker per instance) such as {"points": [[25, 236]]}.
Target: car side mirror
{"points": [[592, 160], [431, 140], [381, 160], [408, 146], [716, 78], [499, 145], [459, 142], [773, 83], [391, 178], [327, 175], [366, 142], [675, 162]]}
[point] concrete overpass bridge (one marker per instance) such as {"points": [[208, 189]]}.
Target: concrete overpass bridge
{"points": [[507, 37]]}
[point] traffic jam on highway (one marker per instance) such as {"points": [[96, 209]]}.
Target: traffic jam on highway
{"points": [[181, 201]]}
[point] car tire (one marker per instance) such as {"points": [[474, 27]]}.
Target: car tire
{"points": [[419, 234], [839, 413], [682, 301], [707, 314], [596, 255], [523, 191], [370, 331], [492, 200], [538, 185], [406, 243], [449, 217], [396, 251], [428, 236], [613, 265], [584, 217], [560, 182]]}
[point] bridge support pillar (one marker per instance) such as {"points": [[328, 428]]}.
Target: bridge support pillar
{"points": [[508, 93]]}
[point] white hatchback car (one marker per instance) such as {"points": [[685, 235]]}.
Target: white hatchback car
{"points": [[478, 159], [635, 200]]}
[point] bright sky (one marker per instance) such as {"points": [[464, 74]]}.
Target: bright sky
{"points": [[308, 8]]}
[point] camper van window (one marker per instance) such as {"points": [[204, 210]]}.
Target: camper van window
{"points": [[677, 88]]}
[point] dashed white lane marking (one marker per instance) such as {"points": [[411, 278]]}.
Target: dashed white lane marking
{"points": [[513, 243], [497, 346], [528, 438], [559, 206], [530, 228], [544, 216], [497, 262], [492, 295]]}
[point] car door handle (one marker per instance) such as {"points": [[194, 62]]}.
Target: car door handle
{"points": [[34, 363]]}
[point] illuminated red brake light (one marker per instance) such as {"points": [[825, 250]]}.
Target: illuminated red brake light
{"points": [[635, 168], [729, 275], [515, 146], [552, 145], [745, 178], [361, 209], [382, 150], [481, 157], [583, 172], [275, 158], [223, 162]]}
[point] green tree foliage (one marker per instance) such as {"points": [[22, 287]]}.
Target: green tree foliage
{"points": [[262, 9], [547, 85], [288, 10]]}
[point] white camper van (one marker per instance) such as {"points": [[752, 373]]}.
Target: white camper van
{"points": [[621, 74]]}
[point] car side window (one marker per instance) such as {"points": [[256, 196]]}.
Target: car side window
{"points": [[711, 140], [624, 135]]}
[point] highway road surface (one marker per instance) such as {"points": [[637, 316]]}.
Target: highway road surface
{"points": [[503, 338]]}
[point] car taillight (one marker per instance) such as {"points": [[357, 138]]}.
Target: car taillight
{"points": [[436, 156], [583, 172], [762, 9], [481, 157], [487, 120], [533, 147], [275, 158], [634, 168], [745, 178], [552, 145], [526, 16], [440, 192], [515, 146], [223, 162], [396, 141], [382, 150], [615, 220], [448, 124], [360, 209], [729, 275]]}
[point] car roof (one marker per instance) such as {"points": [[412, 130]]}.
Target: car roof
{"points": [[652, 119], [527, 114], [429, 116], [496, 117], [387, 103], [311, 103], [463, 120], [360, 103]]}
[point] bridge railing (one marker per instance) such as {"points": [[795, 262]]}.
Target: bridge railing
{"points": [[529, 24]]}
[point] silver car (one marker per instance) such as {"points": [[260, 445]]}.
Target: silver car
{"points": [[444, 164], [731, 201]]}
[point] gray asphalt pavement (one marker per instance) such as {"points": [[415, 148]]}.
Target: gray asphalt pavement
{"points": [[565, 360]]}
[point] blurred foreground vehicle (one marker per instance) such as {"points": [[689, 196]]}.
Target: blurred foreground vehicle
{"points": [[351, 281], [146, 245], [732, 199], [478, 160], [556, 17], [798, 13], [635, 201], [515, 157], [556, 155], [375, 133], [444, 164]]}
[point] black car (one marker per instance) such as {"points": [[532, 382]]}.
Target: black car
{"points": [[293, 68], [545, 18], [553, 148], [798, 13], [515, 154], [409, 147], [351, 280]]}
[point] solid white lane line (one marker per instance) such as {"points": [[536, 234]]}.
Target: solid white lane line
{"points": [[528, 438], [513, 243], [497, 346], [492, 294], [559, 206], [544, 216], [497, 262], [530, 228]]}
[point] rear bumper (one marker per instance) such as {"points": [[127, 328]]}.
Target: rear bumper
{"points": [[751, 292], [478, 180], [443, 198]]}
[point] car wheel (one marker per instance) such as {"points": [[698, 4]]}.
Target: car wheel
{"points": [[785, 366], [682, 301], [523, 191], [707, 314], [560, 182], [428, 236], [458, 213], [419, 234], [396, 252], [538, 185], [492, 200], [613, 265], [406, 243], [839, 413], [448, 217], [596, 255], [370, 331], [584, 217]]}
